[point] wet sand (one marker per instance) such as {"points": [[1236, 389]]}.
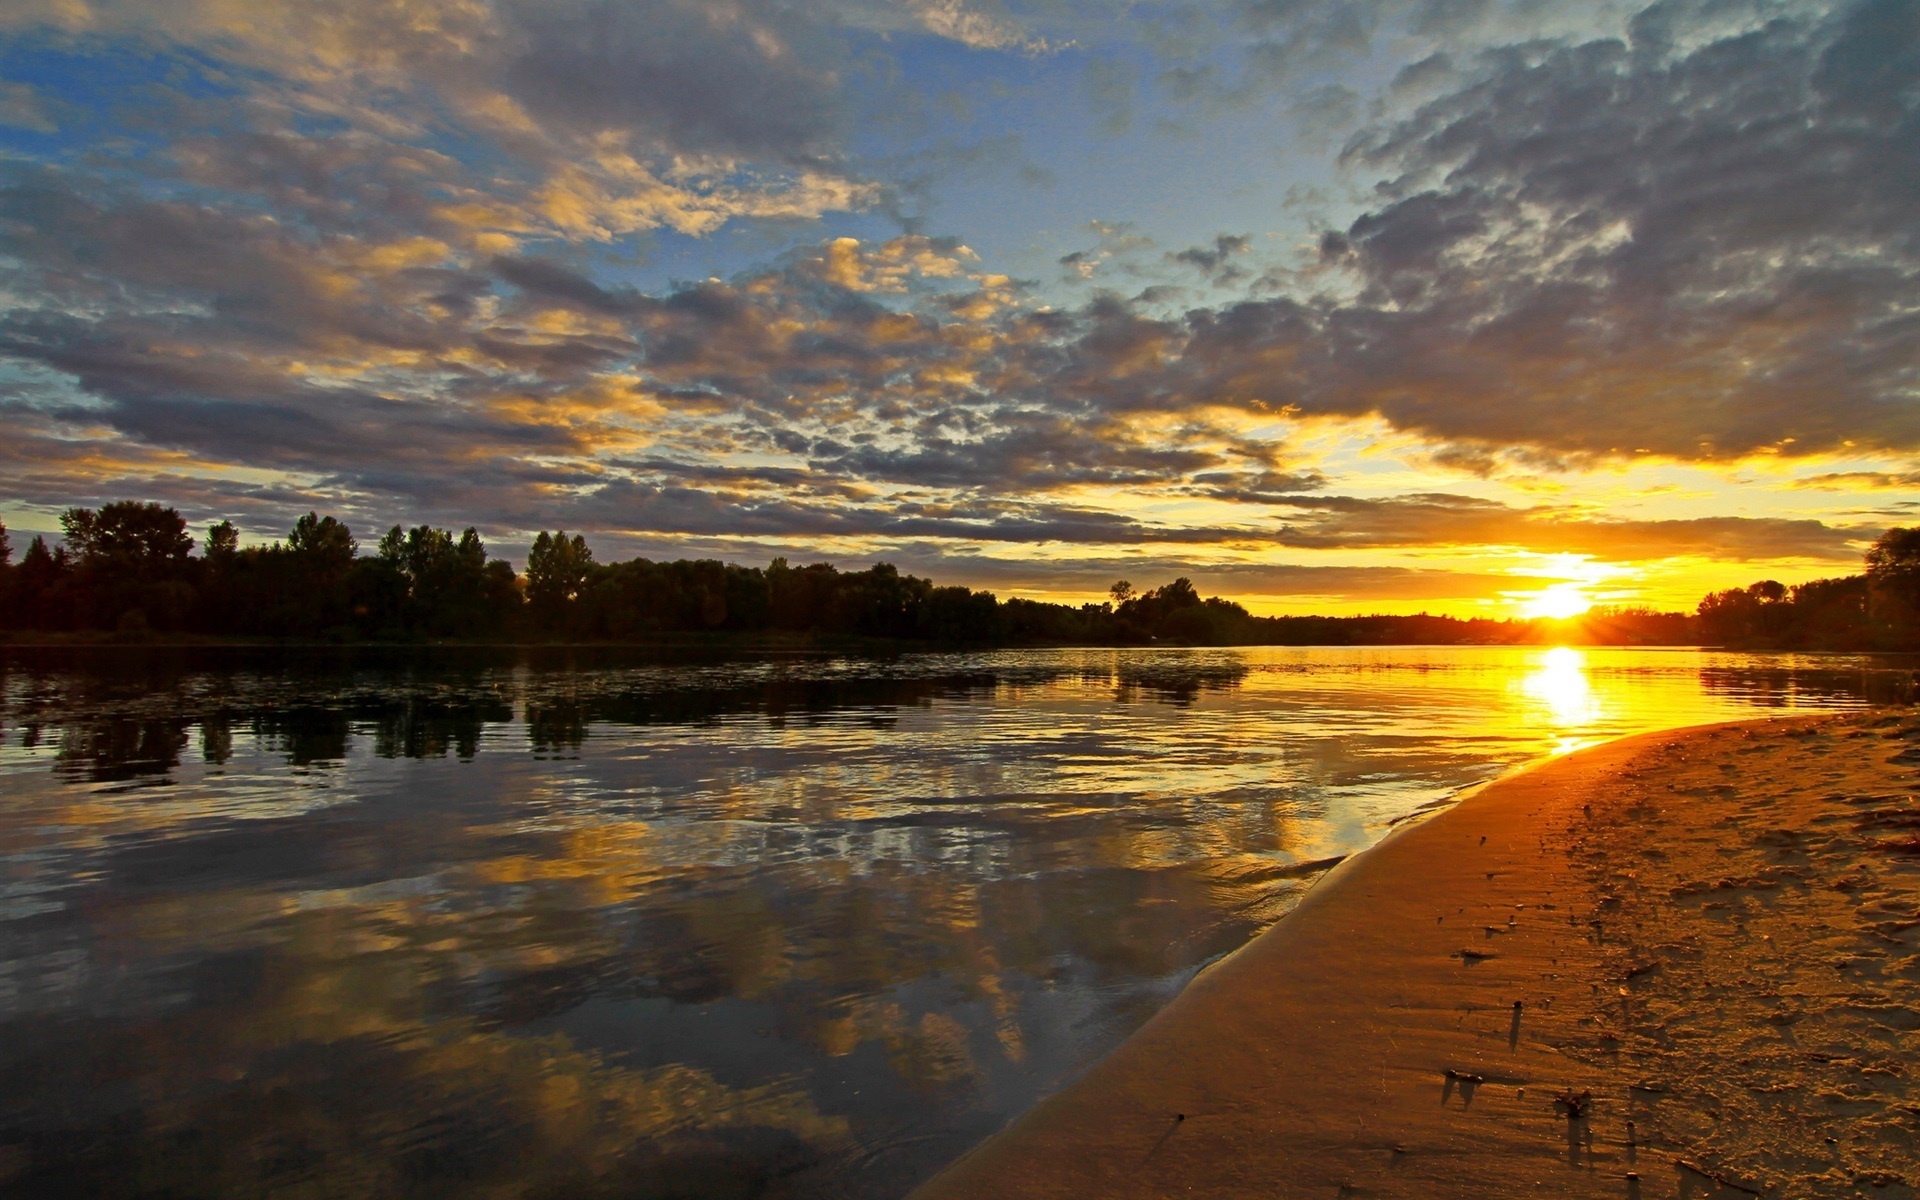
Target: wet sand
{"points": [[1683, 964]]}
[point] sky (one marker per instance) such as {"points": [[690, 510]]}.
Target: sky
{"points": [[1489, 307]]}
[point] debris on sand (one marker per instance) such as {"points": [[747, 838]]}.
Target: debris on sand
{"points": [[1572, 1105], [1713, 1176]]}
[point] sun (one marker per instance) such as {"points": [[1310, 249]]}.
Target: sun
{"points": [[1560, 601]]}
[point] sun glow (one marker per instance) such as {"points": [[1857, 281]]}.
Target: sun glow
{"points": [[1559, 601], [1558, 684]]}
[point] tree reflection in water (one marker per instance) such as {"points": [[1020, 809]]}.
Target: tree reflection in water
{"points": [[520, 926]]}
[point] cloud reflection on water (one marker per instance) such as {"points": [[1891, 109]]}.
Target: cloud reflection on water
{"points": [[803, 928]]}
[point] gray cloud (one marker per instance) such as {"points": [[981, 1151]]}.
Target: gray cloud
{"points": [[755, 77], [673, 509], [1096, 573], [1346, 522], [1425, 76], [1701, 242], [1857, 481], [551, 281], [1257, 487], [1604, 249], [1026, 449], [761, 79], [22, 106], [1215, 262]]}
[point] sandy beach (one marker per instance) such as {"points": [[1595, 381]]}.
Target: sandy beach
{"points": [[1683, 964]]}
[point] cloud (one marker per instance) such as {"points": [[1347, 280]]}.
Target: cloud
{"points": [[1439, 519], [970, 26], [1215, 262], [1094, 574], [1118, 247], [1257, 487], [553, 394], [895, 266], [753, 78], [1862, 481], [643, 508], [1607, 248], [578, 118], [552, 281], [1424, 77], [383, 256], [1601, 250], [22, 107]]}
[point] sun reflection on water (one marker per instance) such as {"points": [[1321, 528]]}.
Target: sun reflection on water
{"points": [[606, 930], [1564, 698]]}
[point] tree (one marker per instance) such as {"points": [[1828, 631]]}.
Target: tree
{"points": [[38, 583], [451, 589], [1831, 614], [419, 551], [958, 614], [146, 538], [131, 564], [223, 542], [7, 616], [323, 540], [224, 606], [800, 597], [1893, 585], [557, 568], [1895, 553], [1730, 617]]}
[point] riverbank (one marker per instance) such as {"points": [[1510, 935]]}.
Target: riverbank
{"points": [[731, 643], [1678, 964], [773, 640]]}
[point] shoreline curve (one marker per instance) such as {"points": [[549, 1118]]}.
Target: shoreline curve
{"points": [[1507, 996]]}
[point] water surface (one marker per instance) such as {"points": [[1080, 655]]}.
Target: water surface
{"points": [[534, 925]]}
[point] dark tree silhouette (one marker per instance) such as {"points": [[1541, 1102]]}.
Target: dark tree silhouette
{"points": [[450, 589], [1893, 585], [129, 566], [557, 568], [145, 536], [38, 583], [324, 541], [1878, 610], [223, 542]]}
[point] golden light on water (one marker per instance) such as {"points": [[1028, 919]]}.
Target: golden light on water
{"points": [[1565, 696]]}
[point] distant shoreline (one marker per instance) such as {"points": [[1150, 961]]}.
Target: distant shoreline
{"points": [[94, 639], [91, 639], [1681, 959]]}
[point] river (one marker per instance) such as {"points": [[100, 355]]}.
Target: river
{"points": [[566, 924]]}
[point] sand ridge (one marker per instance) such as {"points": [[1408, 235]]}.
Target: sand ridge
{"points": [[1683, 964]]}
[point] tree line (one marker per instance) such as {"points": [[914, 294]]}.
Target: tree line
{"points": [[134, 569], [1878, 609]]}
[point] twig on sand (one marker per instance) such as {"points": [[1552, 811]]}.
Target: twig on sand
{"points": [[1709, 1173]]}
